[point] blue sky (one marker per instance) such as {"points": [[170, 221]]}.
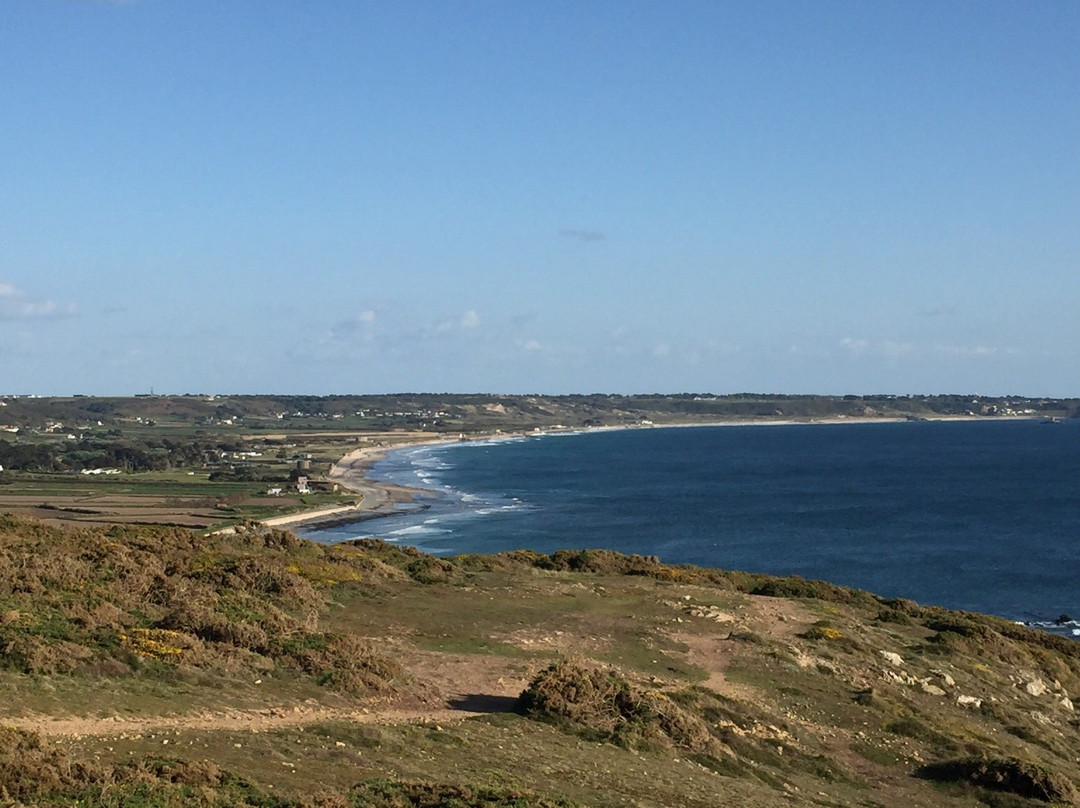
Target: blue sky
{"points": [[338, 196]]}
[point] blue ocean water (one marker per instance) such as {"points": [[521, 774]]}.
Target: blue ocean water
{"points": [[981, 515]]}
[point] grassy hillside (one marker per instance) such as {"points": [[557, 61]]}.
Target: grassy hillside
{"points": [[171, 415], [150, 666]]}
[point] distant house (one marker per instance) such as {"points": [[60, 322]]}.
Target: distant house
{"points": [[274, 492], [302, 485]]}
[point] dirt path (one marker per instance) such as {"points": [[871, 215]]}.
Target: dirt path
{"points": [[262, 720], [456, 687]]}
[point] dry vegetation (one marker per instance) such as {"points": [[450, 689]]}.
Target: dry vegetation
{"points": [[151, 666], [122, 599], [32, 773]]}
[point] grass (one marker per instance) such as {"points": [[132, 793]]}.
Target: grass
{"points": [[31, 771], [468, 644]]}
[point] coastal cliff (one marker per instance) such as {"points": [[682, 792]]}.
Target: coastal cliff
{"points": [[158, 666]]}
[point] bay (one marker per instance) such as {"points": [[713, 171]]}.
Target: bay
{"points": [[980, 515]]}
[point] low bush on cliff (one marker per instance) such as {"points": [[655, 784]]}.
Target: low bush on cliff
{"points": [[1005, 774], [115, 600], [601, 704]]}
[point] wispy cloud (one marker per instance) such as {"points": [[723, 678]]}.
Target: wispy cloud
{"points": [[583, 235], [893, 350], [887, 349], [468, 321], [376, 329], [854, 346], [15, 304], [357, 327], [973, 351], [523, 319]]}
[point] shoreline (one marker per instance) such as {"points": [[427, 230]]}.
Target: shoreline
{"points": [[380, 499], [377, 499]]}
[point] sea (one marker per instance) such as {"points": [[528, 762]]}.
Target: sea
{"points": [[975, 515]]}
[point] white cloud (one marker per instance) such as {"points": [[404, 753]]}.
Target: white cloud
{"points": [[384, 330], [358, 329], [896, 350], [970, 351], [893, 350], [855, 347], [467, 321], [15, 304]]}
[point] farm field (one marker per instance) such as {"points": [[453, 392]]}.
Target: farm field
{"points": [[195, 496]]}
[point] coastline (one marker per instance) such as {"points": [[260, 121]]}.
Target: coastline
{"points": [[379, 499]]}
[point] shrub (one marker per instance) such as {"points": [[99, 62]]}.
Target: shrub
{"points": [[1011, 775], [823, 633], [602, 704], [431, 570], [343, 662], [890, 615], [389, 794]]}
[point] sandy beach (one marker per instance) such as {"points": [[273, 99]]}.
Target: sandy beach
{"points": [[350, 472]]}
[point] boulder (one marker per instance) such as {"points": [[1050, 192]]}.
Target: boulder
{"points": [[892, 657], [933, 690], [1036, 687]]}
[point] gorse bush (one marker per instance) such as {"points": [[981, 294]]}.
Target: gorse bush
{"points": [[1010, 775], [109, 600], [603, 705]]}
